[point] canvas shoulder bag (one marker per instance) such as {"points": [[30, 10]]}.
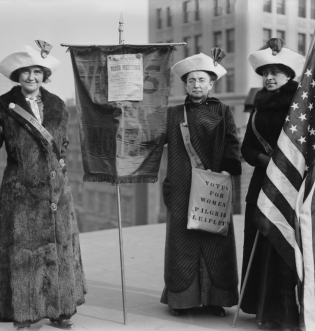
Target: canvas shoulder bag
{"points": [[210, 200]]}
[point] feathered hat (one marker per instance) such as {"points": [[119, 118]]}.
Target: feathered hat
{"points": [[276, 54], [201, 62], [27, 56]]}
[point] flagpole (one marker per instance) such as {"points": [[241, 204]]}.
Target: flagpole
{"points": [[245, 279], [121, 41]]}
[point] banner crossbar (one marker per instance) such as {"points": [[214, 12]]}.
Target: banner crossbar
{"points": [[157, 44]]}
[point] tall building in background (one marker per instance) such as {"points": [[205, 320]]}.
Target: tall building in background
{"points": [[239, 27]]}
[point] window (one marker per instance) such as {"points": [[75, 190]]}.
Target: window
{"points": [[281, 35], [217, 8], [159, 18], [197, 10], [230, 86], [198, 46], [266, 35], [217, 37], [217, 85], [302, 8], [301, 43], [91, 200], [230, 40], [230, 7], [187, 47], [281, 7], [102, 208], [313, 9], [168, 16], [185, 11], [267, 6]]}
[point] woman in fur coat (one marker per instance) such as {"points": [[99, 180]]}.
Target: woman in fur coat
{"points": [[41, 274], [270, 289]]}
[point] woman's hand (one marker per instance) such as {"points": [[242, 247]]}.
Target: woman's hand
{"points": [[225, 173], [263, 159]]}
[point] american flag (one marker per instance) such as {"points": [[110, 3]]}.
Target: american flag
{"points": [[286, 203]]}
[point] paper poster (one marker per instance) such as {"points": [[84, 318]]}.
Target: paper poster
{"points": [[125, 77]]}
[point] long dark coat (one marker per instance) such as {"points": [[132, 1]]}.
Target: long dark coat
{"points": [[41, 272], [213, 135], [270, 286]]}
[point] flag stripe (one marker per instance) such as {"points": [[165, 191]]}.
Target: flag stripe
{"points": [[276, 237], [284, 187], [292, 153], [275, 217], [298, 237], [307, 213], [279, 201], [288, 169], [309, 181]]}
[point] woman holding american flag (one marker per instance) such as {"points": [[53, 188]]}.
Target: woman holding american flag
{"points": [[270, 289]]}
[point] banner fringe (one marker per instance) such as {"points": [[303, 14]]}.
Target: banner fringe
{"points": [[119, 180], [122, 49]]}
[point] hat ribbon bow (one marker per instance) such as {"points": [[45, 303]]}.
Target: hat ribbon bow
{"points": [[45, 48], [218, 55]]}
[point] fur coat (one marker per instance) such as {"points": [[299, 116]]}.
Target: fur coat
{"points": [[41, 272], [213, 135]]}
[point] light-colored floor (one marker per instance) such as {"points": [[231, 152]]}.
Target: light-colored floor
{"points": [[144, 263]]}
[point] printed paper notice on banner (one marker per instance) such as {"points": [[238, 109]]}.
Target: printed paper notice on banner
{"points": [[125, 77]]}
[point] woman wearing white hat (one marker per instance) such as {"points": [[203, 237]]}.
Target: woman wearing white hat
{"points": [[270, 290], [41, 274], [200, 267]]}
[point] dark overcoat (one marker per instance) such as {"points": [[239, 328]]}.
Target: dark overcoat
{"points": [[268, 273], [41, 272], [213, 135], [272, 108]]}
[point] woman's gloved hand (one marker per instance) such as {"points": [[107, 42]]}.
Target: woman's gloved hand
{"points": [[263, 159]]}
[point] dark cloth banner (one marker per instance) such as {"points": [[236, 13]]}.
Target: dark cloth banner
{"points": [[121, 141]]}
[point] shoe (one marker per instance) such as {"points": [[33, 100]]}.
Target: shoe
{"points": [[216, 310], [269, 325], [63, 324], [178, 312]]}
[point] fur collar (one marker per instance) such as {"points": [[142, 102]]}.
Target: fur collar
{"points": [[53, 105], [278, 100]]}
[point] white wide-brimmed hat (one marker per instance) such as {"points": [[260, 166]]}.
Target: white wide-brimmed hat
{"points": [[25, 57], [198, 62], [283, 56]]}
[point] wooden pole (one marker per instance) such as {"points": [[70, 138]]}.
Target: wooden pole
{"points": [[245, 279], [122, 263]]}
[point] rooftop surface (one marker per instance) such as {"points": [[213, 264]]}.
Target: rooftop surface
{"points": [[144, 265]]}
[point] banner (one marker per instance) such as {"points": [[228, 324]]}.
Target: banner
{"points": [[121, 140]]}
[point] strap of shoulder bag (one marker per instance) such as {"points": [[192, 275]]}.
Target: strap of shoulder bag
{"points": [[194, 158], [267, 147]]}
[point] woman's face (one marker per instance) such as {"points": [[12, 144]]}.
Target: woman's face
{"points": [[198, 85], [274, 78], [31, 78]]}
